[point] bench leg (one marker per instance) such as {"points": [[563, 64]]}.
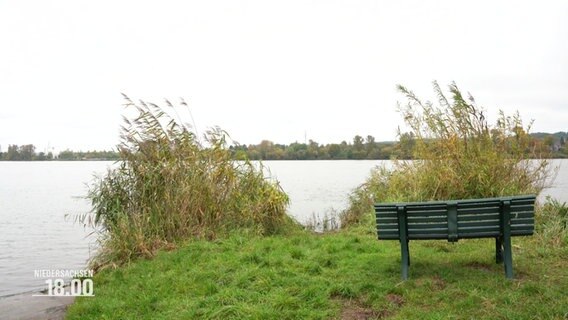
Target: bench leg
{"points": [[498, 249], [405, 263], [403, 237], [409, 257], [506, 228], [508, 256]]}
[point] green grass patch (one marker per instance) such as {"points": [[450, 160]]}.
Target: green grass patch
{"points": [[341, 275]]}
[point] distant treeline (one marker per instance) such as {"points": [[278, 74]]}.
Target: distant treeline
{"points": [[555, 144], [367, 148], [359, 148], [28, 153]]}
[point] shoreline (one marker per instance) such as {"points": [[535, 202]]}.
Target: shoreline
{"points": [[26, 306]]}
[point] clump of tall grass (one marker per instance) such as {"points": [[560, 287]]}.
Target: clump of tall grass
{"points": [[552, 223], [170, 187], [458, 155], [328, 221]]}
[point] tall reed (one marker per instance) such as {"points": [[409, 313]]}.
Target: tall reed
{"points": [[552, 225], [170, 187], [458, 155]]}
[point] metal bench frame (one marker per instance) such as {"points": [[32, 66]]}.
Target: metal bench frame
{"points": [[499, 218]]}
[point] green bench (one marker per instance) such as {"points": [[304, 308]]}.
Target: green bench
{"points": [[499, 218]]}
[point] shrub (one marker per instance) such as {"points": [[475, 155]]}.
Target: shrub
{"points": [[458, 155], [170, 187]]}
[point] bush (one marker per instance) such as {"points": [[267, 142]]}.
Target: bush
{"points": [[170, 187], [458, 155]]}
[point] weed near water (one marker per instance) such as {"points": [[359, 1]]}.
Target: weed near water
{"points": [[171, 186], [458, 155]]}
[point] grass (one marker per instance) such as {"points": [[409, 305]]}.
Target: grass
{"points": [[339, 275]]}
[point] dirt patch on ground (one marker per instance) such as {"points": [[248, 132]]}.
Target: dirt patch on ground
{"points": [[438, 283], [353, 310], [395, 299], [356, 309], [358, 313]]}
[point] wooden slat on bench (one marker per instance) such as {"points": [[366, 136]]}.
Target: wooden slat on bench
{"points": [[522, 233], [385, 209], [412, 230], [385, 206], [427, 225], [517, 215], [435, 219], [426, 206], [489, 228], [483, 210], [386, 215], [484, 234], [522, 221], [386, 220], [522, 227], [417, 214], [389, 227], [520, 208], [427, 236], [526, 201], [478, 206], [477, 217], [462, 224]]}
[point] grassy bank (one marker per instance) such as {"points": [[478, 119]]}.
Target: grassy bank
{"points": [[342, 275]]}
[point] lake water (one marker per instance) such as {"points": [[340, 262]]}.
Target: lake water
{"points": [[35, 198]]}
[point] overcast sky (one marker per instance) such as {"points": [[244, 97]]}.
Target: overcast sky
{"points": [[276, 70]]}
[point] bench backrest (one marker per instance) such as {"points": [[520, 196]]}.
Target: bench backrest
{"points": [[452, 220]]}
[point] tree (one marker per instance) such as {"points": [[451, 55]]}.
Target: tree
{"points": [[264, 148], [27, 152], [549, 142], [358, 148], [13, 153], [313, 150], [370, 146], [67, 155], [334, 151], [406, 145], [40, 156], [358, 143]]}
